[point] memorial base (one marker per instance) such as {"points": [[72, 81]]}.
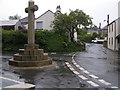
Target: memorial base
{"points": [[30, 56]]}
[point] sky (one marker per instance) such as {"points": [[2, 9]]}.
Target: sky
{"points": [[97, 9]]}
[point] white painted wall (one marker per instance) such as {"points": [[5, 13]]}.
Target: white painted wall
{"points": [[47, 19], [112, 33], [18, 24]]}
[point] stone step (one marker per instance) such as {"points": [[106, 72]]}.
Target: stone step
{"points": [[30, 63], [18, 57], [31, 52]]}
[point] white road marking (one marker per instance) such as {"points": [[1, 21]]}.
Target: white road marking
{"points": [[72, 69], [20, 85], [85, 71], [93, 84], [81, 68], [69, 65], [75, 63], [78, 66], [93, 76], [11, 80], [25, 85], [104, 82], [66, 63], [114, 87], [75, 72], [82, 77], [73, 55]]}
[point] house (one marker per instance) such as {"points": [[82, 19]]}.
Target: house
{"points": [[114, 35], [92, 31], [44, 21], [104, 31], [24, 22], [11, 24]]}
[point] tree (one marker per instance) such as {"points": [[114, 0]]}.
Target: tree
{"points": [[15, 17], [94, 27], [94, 35], [62, 25], [67, 24]]}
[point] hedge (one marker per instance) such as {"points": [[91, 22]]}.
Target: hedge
{"points": [[48, 40]]}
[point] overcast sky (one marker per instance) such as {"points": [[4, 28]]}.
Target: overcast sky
{"points": [[98, 9]]}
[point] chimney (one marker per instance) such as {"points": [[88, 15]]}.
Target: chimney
{"points": [[58, 9]]}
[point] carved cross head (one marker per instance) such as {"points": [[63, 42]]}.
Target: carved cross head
{"points": [[31, 7]]}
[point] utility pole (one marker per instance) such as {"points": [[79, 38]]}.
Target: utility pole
{"points": [[107, 19], [99, 29]]}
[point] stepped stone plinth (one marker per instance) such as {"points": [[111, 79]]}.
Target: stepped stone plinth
{"points": [[31, 56]]}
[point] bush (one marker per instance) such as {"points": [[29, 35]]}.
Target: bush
{"points": [[85, 38], [48, 40], [101, 37], [12, 40]]}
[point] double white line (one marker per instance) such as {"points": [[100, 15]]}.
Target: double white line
{"points": [[85, 71]]}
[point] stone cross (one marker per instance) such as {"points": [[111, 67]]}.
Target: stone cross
{"points": [[31, 17]]}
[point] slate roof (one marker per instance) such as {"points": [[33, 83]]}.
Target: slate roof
{"points": [[24, 20], [45, 13], [8, 22], [104, 28], [114, 21]]}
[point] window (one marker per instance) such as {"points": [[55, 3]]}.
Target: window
{"points": [[115, 29], [109, 41], [109, 29], [112, 41], [39, 25], [112, 27], [118, 40]]}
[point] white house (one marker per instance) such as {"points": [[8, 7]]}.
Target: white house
{"points": [[45, 21], [114, 35], [11, 24]]}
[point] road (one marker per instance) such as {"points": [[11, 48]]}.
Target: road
{"points": [[96, 67]]}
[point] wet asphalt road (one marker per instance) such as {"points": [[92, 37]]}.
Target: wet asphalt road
{"points": [[96, 59], [58, 76], [100, 61]]}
